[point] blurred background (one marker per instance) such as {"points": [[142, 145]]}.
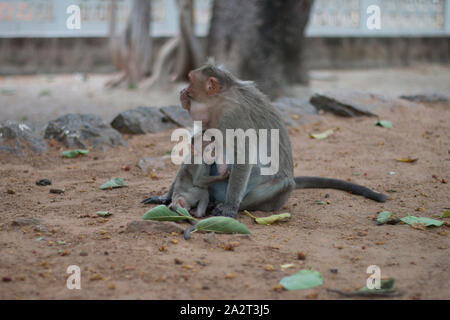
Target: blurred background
{"points": [[105, 56]]}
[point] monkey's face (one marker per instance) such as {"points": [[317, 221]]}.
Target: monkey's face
{"points": [[197, 97], [200, 89]]}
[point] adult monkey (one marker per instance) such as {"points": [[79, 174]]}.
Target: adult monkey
{"points": [[220, 100]]}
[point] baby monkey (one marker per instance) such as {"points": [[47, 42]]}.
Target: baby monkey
{"points": [[190, 189]]}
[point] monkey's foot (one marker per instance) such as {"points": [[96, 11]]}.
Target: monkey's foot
{"points": [[224, 210], [157, 200]]}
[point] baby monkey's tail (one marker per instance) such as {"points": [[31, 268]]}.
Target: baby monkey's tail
{"points": [[304, 182]]}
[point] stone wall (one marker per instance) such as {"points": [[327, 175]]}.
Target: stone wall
{"points": [[67, 55]]}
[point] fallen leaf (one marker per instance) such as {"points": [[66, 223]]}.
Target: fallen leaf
{"points": [[445, 214], [222, 225], [74, 153], [384, 124], [162, 213], [97, 276], [113, 183], [421, 220], [387, 289], [270, 219], [321, 135], [103, 213], [269, 267], [304, 279], [408, 160], [301, 256]]}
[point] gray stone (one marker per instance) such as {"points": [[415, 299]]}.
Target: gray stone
{"points": [[293, 110], [83, 131], [16, 137], [426, 98], [178, 115], [149, 163], [349, 104], [142, 120], [152, 226], [210, 238], [25, 221]]}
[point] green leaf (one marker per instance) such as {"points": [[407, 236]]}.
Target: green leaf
{"points": [[74, 153], [183, 212], [386, 286], [384, 124], [273, 218], [45, 93], [383, 217], [222, 225], [304, 279], [113, 183], [423, 220], [104, 213], [445, 214], [162, 213], [321, 135]]}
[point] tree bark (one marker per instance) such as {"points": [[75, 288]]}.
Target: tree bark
{"points": [[261, 40], [132, 51], [190, 54]]}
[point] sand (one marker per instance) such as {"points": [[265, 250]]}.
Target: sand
{"points": [[342, 234]]}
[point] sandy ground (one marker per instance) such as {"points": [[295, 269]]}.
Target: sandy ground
{"points": [[339, 235]]}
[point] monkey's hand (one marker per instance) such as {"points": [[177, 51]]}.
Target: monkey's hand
{"points": [[185, 100], [164, 199], [225, 210]]}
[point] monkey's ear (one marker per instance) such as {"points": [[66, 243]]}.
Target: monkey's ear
{"points": [[212, 86]]}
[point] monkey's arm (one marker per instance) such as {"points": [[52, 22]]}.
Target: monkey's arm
{"points": [[204, 180], [237, 184]]}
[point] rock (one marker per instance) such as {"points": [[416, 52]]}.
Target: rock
{"points": [[350, 104], [149, 226], [57, 191], [43, 182], [177, 115], [142, 120], [146, 164], [16, 137], [20, 222], [210, 238], [82, 131], [292, 110], [426, 98]]}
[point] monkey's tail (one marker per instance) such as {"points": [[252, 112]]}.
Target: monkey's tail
{"points": [[303, 182]]}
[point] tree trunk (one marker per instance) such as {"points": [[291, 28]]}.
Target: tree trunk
{"points": [[180, 54], [261, 40], [132, 51], [190, 54]]}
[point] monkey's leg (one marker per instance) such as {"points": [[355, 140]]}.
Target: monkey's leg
{"points": [[202, 205], [237, 185], [270, 196]]}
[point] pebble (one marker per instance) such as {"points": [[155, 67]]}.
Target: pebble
{"points": [[43, 182], [57, 191]]}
